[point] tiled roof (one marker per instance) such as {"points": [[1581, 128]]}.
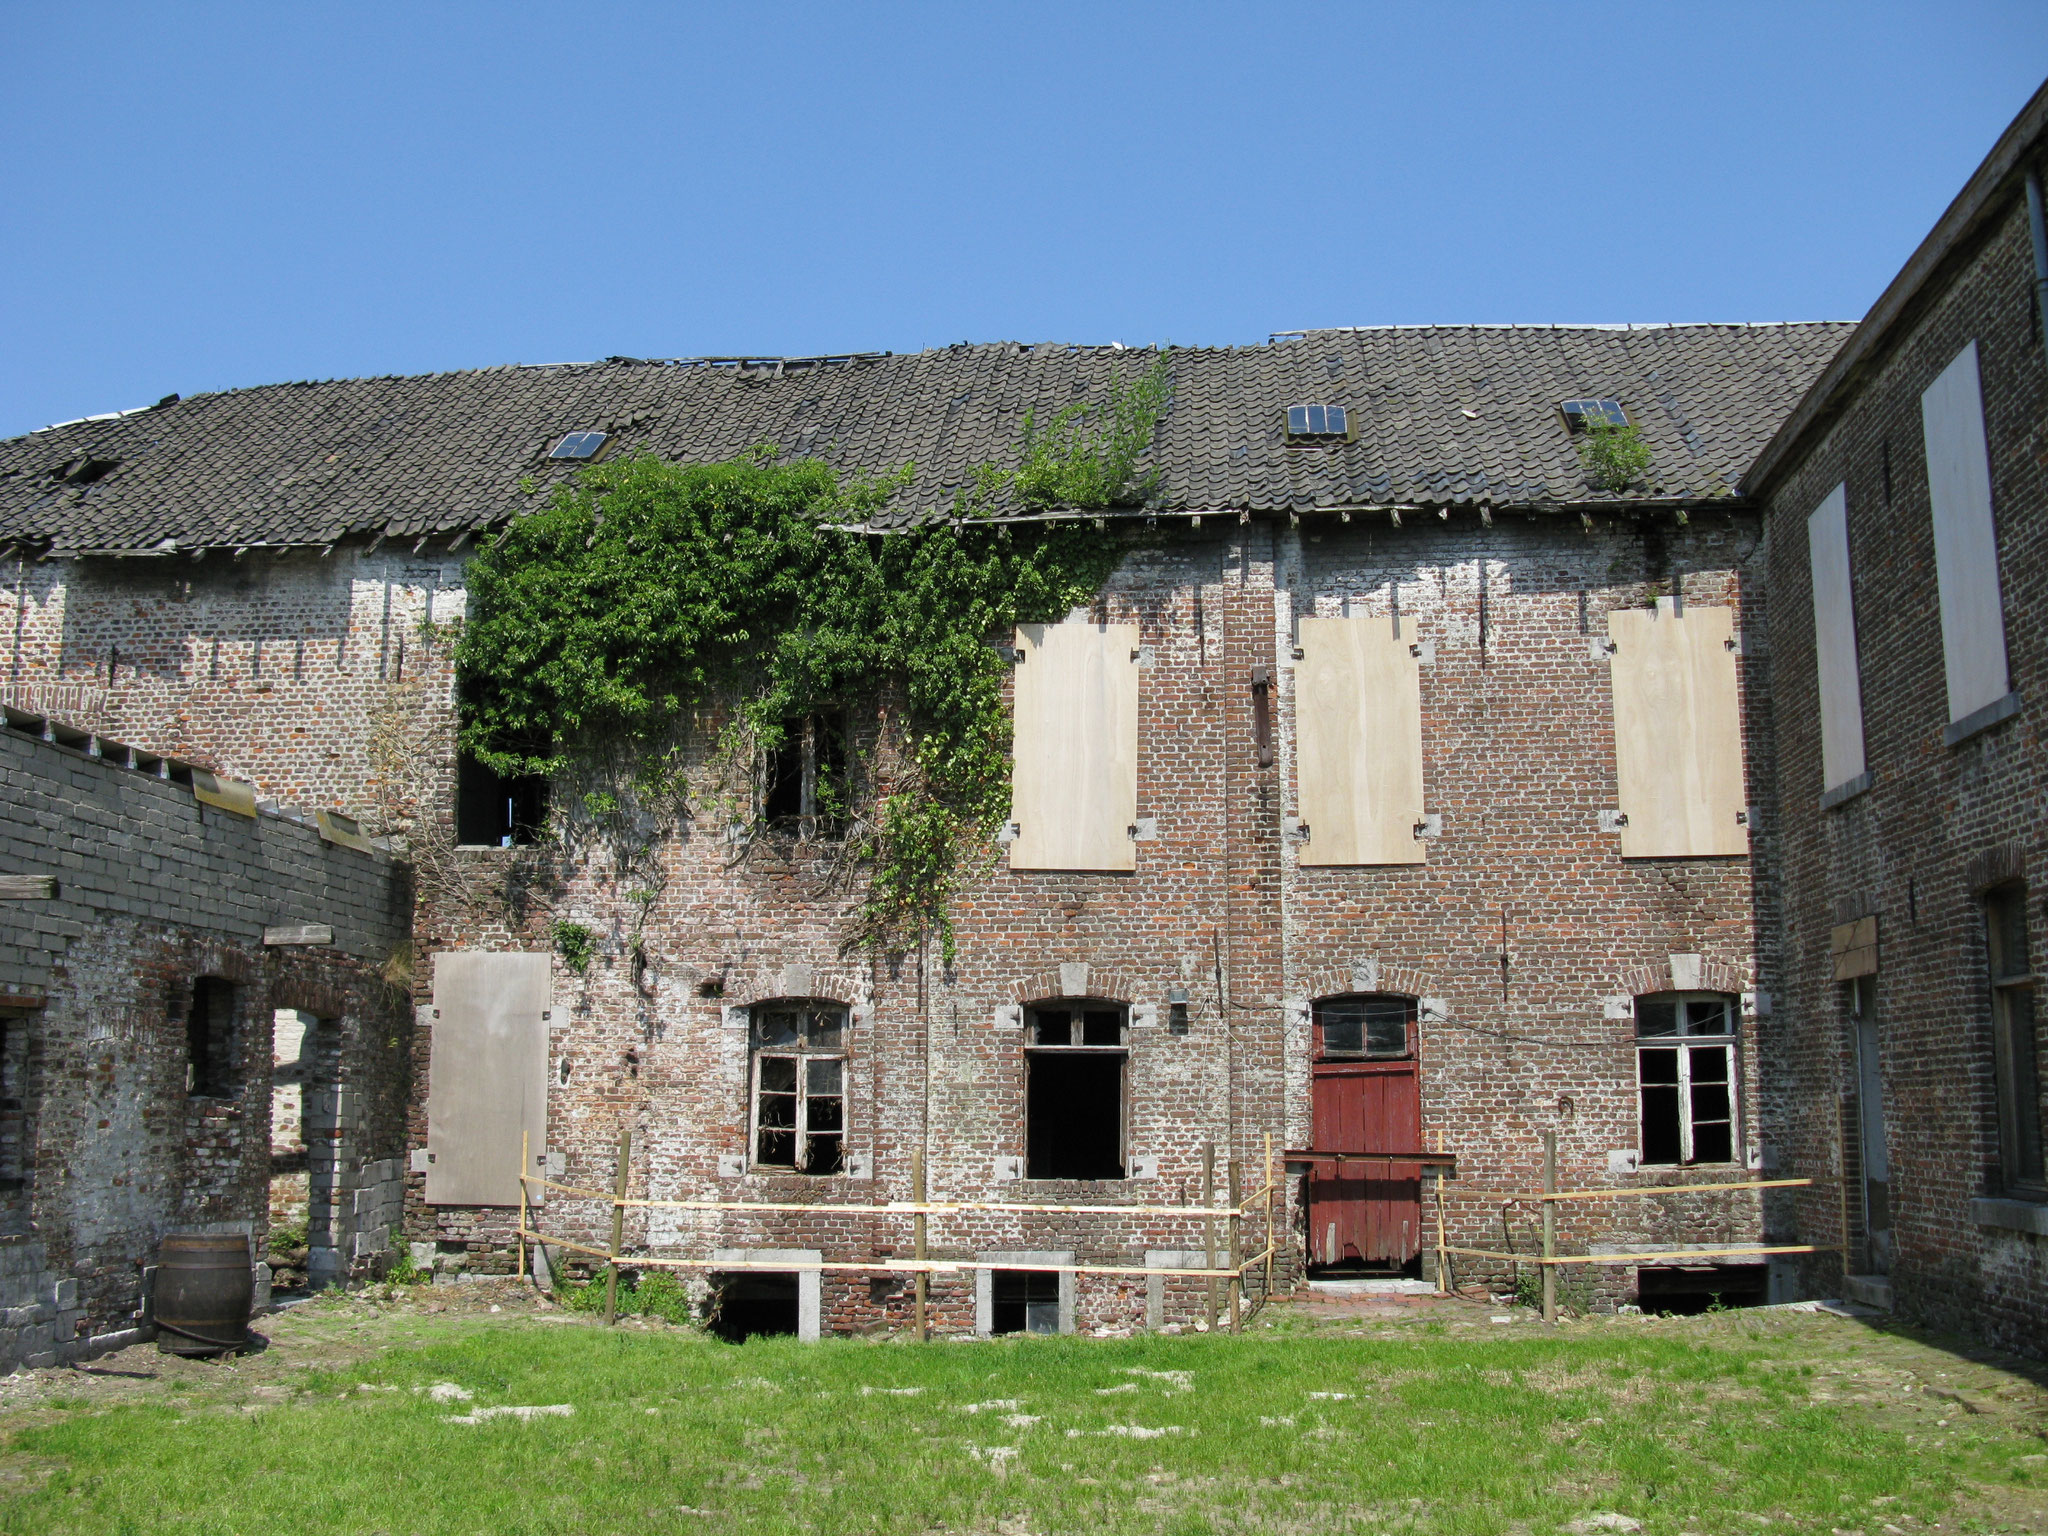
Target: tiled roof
{"points": [[1444, 415]]}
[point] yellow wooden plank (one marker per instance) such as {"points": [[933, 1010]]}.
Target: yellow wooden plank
{"points": [[1861, 934], [1358, 743], [1677, 732], [224, 794], [1074, 783]]}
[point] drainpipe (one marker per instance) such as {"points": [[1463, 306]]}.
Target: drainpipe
{"points": [[2039, 227]]}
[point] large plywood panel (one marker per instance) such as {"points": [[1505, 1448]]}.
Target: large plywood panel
{"points": [[1074, 784], [1834, 641], [1965, 537], [1677, 732], [489, 1075], [1358, 743]]}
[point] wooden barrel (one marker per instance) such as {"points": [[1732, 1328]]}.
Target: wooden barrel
{"points": [[204, 1287]]}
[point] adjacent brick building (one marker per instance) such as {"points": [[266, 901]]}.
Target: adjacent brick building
{"points": [[1383, 850], [157, 928], [1905, 556]]}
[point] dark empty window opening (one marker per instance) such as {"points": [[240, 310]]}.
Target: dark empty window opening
{"points": [[494, 811], [14, 1130], [1365, 1029], [2016, 1068], [579, 445], [800, 1087], [1024, 1301], [1579, 413], [1685, 1061], [1682, 1290], [753, 1304], [803, 777], [1074, 1067], [210, 1039], [1318, 423]]}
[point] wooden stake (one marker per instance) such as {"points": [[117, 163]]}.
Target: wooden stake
{"points": [[611, 1273], [525, 1167], [1549, 1227], [917, 1233], [1236, 1281], [1209, 1223], [1267, 1294], [1443, 1253]]}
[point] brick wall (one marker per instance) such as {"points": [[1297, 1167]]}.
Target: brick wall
{"points": [[1939, 823], [155, 890], [1518, 761]]}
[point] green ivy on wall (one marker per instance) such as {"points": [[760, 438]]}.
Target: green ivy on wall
{"points": [[647, 593]]}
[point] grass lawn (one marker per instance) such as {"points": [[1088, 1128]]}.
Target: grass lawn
{"points": [[353, 1422]]}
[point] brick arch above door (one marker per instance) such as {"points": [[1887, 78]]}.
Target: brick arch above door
{"points": [[1074, 978], [1365, 974], [1682, 973]]}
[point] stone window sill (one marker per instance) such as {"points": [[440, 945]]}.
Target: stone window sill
{"points": [[1980, 720], [2012, 1215], [1846, 791]]}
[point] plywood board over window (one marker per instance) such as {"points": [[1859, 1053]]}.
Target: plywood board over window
{"points": [[1358, 733], [1834, 641], [489, 1076], [1074, 785], [1677, 732], [1965, 538]]}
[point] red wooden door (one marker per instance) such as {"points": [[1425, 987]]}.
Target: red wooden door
{"points": [[1366, 1214]]}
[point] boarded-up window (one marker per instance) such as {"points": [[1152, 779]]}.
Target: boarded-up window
{"points": [[1965, 538], [1834, 642], [1677, 732], [1074, 788], [1358, 729], [489, 1082]]}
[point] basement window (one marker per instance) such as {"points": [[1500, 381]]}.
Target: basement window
{"points": [[1578, 413], [1074, 1086], [579, 445], [803, 778], [1024, 1301], [493, 810], [1685, 1062], [210, 1039], [751, 1304], [799, 1117], [1319, 423]]}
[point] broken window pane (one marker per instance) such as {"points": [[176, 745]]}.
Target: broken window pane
{"points": [[1024, 1301], [210, 1039], [1654, 1017], [1708, 1016], [1051, 1026], [1102, 1026], [1662, 1142], [799, 1098], [1688, 1089], [1364, 1026], [2016, 1071]]}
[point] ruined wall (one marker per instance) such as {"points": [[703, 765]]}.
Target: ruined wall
{"points": [[153, 891], [1938, 825]]}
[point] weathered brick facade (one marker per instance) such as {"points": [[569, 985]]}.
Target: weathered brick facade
{"points": [[1940, 824], [154, 891]]}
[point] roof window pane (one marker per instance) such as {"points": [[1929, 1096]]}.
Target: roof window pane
{"points": [[579, 445], [1578, 412], [1313, 421]]}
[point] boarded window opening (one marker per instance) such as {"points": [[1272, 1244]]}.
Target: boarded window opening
{"points": [[800, 1087], [1686, 1071], [1074, 1092], [1358, 724], [494, 811], [1024, 1301], [1075, 774], [753, 1305], [2015, 1065], [1677, 732], [210, 1039], [1683, 1290]]}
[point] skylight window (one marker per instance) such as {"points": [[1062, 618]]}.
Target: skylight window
{"points": [[1310, 422], [579, 445], [1578, 412]]}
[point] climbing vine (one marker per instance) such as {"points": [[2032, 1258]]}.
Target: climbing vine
{"points": [[647, 598]]}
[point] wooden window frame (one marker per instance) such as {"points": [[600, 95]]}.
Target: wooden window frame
{"points": [[803, 1054], [1411, 1052], [1121, 1051], [2015, 1046], [1685, 1045]]}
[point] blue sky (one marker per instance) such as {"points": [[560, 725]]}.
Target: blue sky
{"points": [[210, 196]]}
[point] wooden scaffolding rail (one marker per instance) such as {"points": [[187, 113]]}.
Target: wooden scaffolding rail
{"points": [[919, 1209]]}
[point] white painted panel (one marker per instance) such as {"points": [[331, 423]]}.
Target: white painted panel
{"points": [[1677, 732], [1965, 538], [1358, 737], [489, 1075], [1834, 641], [1074, 785]]}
